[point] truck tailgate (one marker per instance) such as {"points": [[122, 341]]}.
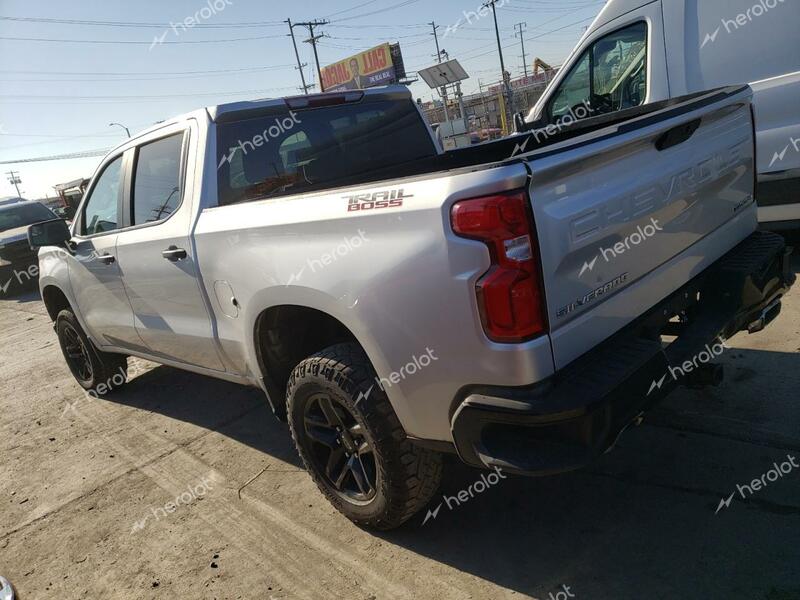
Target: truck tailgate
{"points": [[641, 206]]}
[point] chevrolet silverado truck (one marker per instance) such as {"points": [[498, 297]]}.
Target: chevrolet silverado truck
{"points": [[517, 303]]}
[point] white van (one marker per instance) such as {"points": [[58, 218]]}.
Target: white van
{"points": [[638, 52]]}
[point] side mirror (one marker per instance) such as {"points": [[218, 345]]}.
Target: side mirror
{"points": [[48, 233]]}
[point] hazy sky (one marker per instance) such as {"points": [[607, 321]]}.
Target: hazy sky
{"points": [[65, 76]]}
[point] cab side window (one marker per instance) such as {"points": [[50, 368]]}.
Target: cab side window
{"points": [[611, 75], [101, 212]]}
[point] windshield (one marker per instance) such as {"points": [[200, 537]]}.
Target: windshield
{"points": [[12, 217]]}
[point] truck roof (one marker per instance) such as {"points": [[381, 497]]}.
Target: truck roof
{"points": [[221, 111], [251, 108]]}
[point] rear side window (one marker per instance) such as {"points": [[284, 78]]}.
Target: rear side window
{"points": [[291, 152], [157, 180]]}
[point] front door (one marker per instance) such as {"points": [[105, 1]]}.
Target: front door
{"points": [[94, 267]]}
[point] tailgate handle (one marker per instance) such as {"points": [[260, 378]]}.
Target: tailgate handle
{"points": [[677, 135]]}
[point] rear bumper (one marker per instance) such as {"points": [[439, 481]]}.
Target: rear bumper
{"points": [[566, 421]]}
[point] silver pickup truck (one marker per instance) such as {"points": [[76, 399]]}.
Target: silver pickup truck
{"points": [[518, 303]]}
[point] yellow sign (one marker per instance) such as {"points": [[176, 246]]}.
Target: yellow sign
{"points": [[367, 69]]}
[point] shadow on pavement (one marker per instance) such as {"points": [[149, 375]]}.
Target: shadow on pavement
{"points": [[642, 518], [640, 523]]}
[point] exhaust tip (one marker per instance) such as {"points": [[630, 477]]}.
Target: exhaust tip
{"points": [[766, 317]]}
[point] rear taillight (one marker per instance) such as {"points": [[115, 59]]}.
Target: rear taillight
{"points": [[510, 294]]}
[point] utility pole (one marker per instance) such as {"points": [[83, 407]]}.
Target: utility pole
{"points": [[443, 90], [312, 39], [13, 177], [507, 83], [436, 38], [522, 41], [300, 65]]}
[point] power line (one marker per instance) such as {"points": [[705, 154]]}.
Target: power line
{"points": [[71, 155], [375, 12], [138, 42], [120, 73], [339, 12], [135, 24]]}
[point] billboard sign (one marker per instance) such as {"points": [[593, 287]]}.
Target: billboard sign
{"points": [[366, 69]]}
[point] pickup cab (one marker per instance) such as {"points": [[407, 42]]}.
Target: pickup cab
{"points": [[641, 51], [516, 303]]}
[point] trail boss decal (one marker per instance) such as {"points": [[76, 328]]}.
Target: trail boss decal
{"points": [[374, 200]]}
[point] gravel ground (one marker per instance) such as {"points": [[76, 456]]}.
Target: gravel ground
{"points": [[179, 486]]}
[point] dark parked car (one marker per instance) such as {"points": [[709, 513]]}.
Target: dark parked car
{"points": [[17, 259]]}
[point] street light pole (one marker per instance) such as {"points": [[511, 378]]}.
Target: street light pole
{"points": [[121, 125]]}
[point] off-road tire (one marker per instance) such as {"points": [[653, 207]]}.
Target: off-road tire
{"points": [[106, 371], [406, 475]]}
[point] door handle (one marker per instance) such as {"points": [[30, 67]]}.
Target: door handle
{"points": [[106, 259], [174, 254]]}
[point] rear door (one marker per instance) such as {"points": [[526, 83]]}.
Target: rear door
{"points": [[155, 251], [627, 214]]}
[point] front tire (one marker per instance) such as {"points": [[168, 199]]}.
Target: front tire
{"points": [[353, 444], [96, 371]]}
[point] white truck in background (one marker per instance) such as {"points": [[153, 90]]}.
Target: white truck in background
{"points": [[643, 51]]}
